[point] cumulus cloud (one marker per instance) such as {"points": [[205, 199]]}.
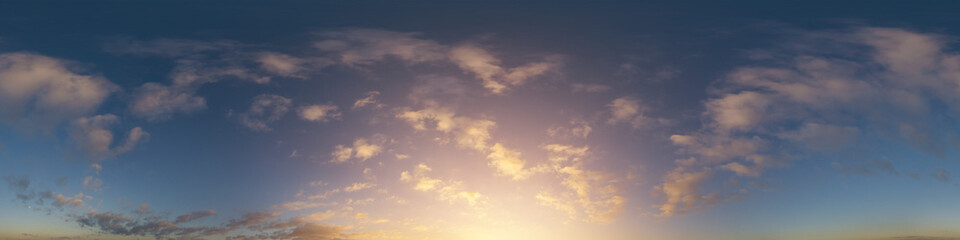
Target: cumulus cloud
{"points": [[680, 190], [156, 102], [362, 149], [266, 108], [626, 110], [96, 139], [507, 162], [469, 133], [590, 196], [318, 112], [41, 91], [446, 190]]}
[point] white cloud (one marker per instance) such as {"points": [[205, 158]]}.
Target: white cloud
{"points": [[265, 108], [507, 162], [362, 150], [680, 190], [591, 196], [94, 136], [451, 191], [359, 186], [41, 91], [627, 110], [318, 113], [157, 102], [488, 68], [280, 64]]}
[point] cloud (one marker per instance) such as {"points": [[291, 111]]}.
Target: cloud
{"points": [[17, 184], [469, 133], [363, 47], [252, 218], [577, 128], [281, 64], [590, 196], [75, 201], [94, 136], [170, 48], [867, 167], [41, 91], [488, 68], [93, 183], [195, 63], [157, 102], [589, 87], [266, 108], [119, 224], [830, 90], [446, 190], [194, 216], [369, 99], [359, 186], [318, 113], [143, 209], [366, 46], [680, 190], [316, 231], [362, 150], [626, 110], [507, 162], [941, 175]]}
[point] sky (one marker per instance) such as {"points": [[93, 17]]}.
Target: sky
{"points": [[608, 120]]}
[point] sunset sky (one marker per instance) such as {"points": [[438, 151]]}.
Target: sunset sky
{"points": [[492, 120]]}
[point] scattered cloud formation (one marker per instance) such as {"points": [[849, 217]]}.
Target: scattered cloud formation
{"points": [[469, 133], [196, 63], [451, 191], [590, 196], [266, 108], [880, 75]]}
